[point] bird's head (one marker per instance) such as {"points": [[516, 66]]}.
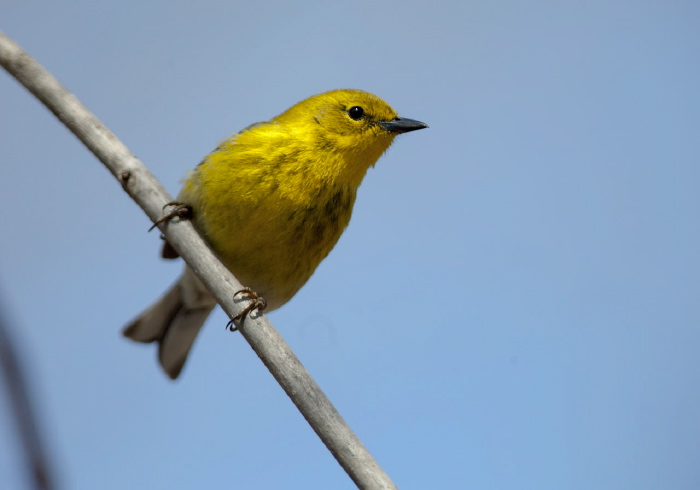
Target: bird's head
{"points": [[349, 120]]}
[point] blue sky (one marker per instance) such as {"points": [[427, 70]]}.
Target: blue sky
{"points": [[515, 302]]}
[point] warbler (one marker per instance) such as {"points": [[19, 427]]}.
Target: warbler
{"points": [[272, 202]]}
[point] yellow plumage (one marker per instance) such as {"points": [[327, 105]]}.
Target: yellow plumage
{"points": [[272, 202]]}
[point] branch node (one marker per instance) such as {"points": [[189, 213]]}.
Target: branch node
{"points": [[124, 177]]}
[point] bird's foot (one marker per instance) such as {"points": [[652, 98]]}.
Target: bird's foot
{"points": [[257, 303], [181, 210]]}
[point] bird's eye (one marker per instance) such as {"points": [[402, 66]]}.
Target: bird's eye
{"points": [[356, 112]]}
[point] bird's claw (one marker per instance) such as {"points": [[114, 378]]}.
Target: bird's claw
{"points": [[257, 303], [181, 210]]}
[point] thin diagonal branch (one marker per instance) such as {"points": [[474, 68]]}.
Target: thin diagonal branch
{"points": [[17, 388], [148, 193]]}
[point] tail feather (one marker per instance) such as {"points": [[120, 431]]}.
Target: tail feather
{"points": [[152, 324], [179, 337], [174, 322]]}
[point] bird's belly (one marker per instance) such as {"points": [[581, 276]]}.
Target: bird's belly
{"points": [[276, 248]]}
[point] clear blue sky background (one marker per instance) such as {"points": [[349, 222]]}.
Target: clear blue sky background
{"points": [[515, 304]]}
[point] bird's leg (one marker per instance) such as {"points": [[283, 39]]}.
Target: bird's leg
{"points": [[181, 210], [257, 303]]}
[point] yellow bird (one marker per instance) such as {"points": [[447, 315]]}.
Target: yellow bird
{"points": [[272, 202]]}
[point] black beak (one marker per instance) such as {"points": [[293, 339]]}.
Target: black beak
{"points": [[402, 125]]}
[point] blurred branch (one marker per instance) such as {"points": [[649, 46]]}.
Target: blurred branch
{"points": [[148, 193], [22, 408]]}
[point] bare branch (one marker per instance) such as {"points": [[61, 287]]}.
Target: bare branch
{"points": [[17, 388], [148, 193]]}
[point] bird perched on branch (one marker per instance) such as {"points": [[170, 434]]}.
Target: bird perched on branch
{"points": [[272, 202]]}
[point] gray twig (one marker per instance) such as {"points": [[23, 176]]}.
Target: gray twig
{"points": [[17, 388], [148, 193]]}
